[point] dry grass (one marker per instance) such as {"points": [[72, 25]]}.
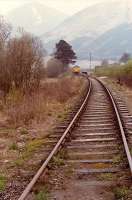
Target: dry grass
{"points": [[29, 119], [24, 109]]}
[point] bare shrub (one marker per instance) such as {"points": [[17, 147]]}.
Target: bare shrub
{"points": [[21, 60], [54, 68], [25, 57]]}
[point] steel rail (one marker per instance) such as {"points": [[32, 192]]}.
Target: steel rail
{"points": [[56, 148], [125, 143]]}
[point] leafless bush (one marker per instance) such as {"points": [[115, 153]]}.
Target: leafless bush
{"points": [[25, 60], [54, 68], [21, 60]]}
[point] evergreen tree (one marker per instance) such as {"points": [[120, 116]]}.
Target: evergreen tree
{"points": [[125, 58], [65, 53]]}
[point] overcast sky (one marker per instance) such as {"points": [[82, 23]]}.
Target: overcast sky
{"points": [[66, 6]]}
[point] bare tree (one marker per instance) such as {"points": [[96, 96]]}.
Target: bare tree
{"points": [[5, 32], [21, 59], [25, 58]]}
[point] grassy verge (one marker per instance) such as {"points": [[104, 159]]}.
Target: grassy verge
{"points": [[121, 73], [29, 119], [121, 192], [43, 194]]}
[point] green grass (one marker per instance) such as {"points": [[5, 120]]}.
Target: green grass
{"points": [[63, 154], [30, 148], [2, 183], [121, 193], [42, 195], [23, 131], [106, 176], [19, 162], [115, 71], [13, 146], [58, 160], [117, 159]]}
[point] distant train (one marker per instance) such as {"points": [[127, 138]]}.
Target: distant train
{"points": [[76, 70]]}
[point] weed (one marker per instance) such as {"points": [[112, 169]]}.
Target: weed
{"points": [[121, 192], [60, 116], [2, 182], [63, 154], [42, 195], [117, 159], [23, 131], [106, 176], [31, 147], [57, 161], [13, 146], [19, 162]]}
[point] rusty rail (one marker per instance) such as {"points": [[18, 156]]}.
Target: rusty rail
{"points": [[124, 140], [67, 131], [56, 148]]}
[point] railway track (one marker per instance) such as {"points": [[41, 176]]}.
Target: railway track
{"points": [[97, 149]]}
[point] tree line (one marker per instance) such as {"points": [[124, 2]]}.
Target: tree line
{"points": [[22, 59], [123, 60]]}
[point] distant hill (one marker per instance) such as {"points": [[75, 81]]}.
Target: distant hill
{"points": [[111, 44], [90, 27], [36, 18]]}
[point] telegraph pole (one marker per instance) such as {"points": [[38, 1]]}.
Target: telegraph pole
{"points": [[90, 60]]}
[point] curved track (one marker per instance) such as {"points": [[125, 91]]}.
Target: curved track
{"points": [[99, 139], [98, 143]]}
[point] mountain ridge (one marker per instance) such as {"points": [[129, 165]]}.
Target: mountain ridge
{"points": [[37, 18], [88, 25]]}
